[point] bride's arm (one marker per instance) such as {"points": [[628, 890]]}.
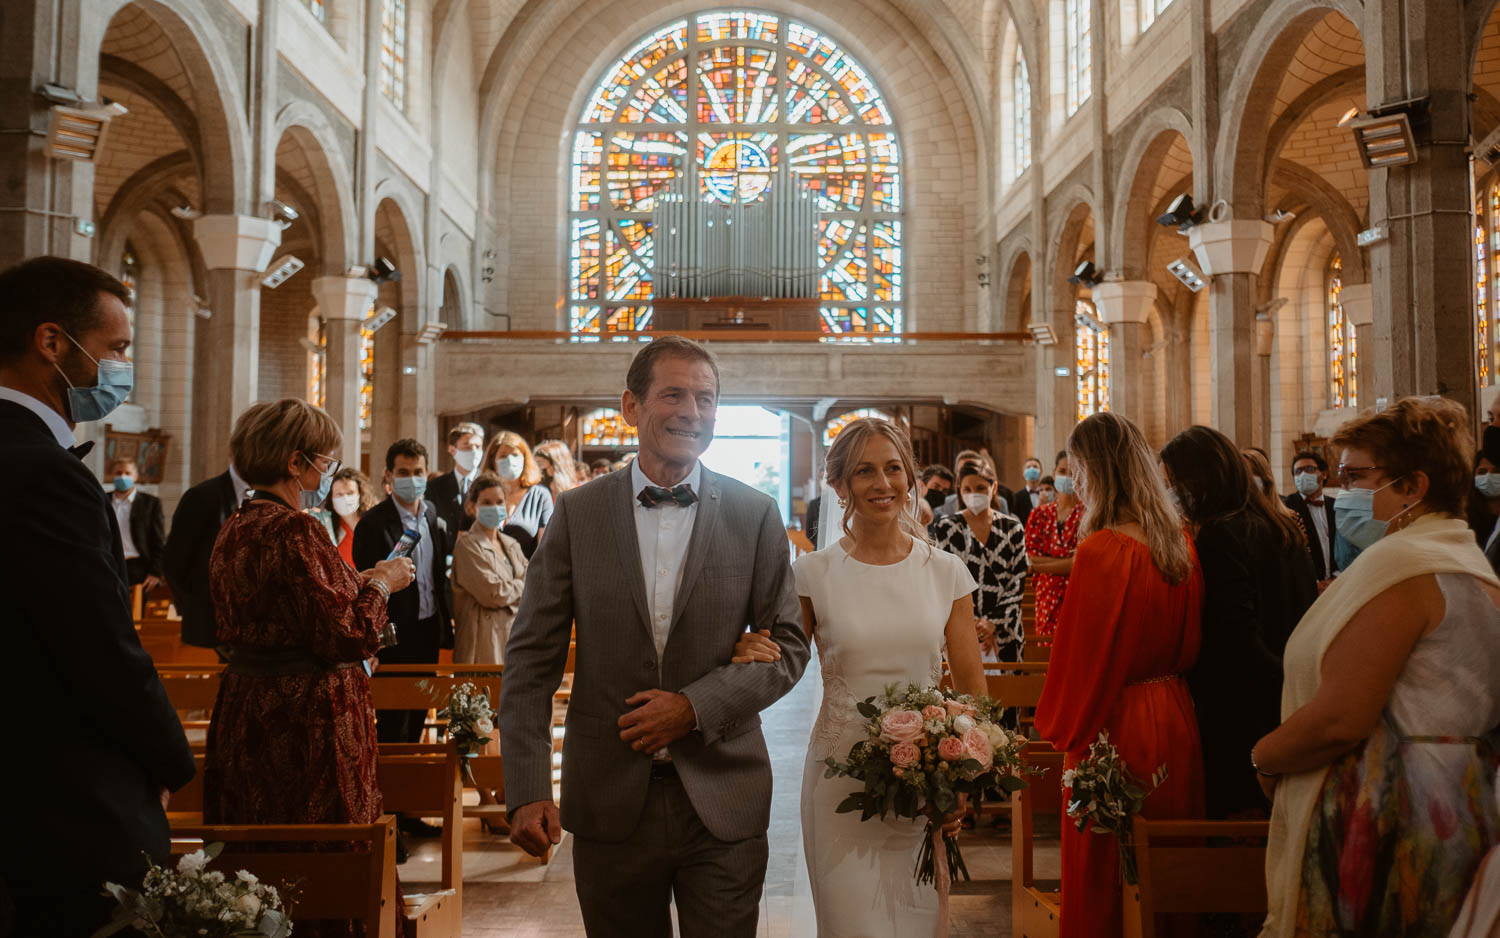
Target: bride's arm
{"points": [[963, 648], [759, 646]]}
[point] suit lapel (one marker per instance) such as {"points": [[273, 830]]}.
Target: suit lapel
{"points": [[703, 532], [622, 519]]}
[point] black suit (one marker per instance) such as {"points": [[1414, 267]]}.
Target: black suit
{"points": [[148, 532], [417, 639], [1323, 567], [443, 493], [195, 526], [92, 730], [1020, 505]]}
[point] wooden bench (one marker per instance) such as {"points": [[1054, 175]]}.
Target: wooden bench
{"points": [[1015, 684], [354, 885], [1035, 913], [1195, 868]]}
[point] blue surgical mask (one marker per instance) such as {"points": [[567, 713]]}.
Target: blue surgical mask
{"points": [[409, 488], [491, 516], [1354, 516], [510, 467], [316, 497], [125, 483], [1307, 483], [111, 388], [1488, 484], [1063, 484], [1031, 473]]}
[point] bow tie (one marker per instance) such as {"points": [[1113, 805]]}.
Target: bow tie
{"points": [[653, 495], [1315, 504], [82, 449]]}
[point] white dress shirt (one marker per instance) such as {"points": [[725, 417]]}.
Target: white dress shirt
{"points": [[421, 557], [663, 533], [122, 515], [54, 420]]}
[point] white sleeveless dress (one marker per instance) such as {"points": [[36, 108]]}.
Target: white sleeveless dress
{"points": [[876, 625]]}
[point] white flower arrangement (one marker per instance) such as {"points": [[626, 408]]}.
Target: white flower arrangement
{"points": [[1103, 793], [191, 900], [471, 720]]}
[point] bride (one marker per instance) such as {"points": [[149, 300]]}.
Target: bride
{"points": [[880, 603]]}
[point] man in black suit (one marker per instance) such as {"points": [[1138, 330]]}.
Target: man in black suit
{"points": [[200, 514], [143, 530], [447, 491], [420, 612], [1310, 474], [1029, 495], [86, 794]]}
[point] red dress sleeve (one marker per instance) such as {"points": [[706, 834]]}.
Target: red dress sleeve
{"points": [[346, 616], [1036, 530]]}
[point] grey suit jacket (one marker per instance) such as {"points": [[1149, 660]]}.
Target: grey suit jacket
{"points": [[587, 571]]}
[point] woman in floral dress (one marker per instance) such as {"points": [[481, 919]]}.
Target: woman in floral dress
{"points": [[1051, 540]]}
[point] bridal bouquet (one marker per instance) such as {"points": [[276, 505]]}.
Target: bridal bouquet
{"points": [[925, 748], [471, 720], [1103, 790], [190, 900]]}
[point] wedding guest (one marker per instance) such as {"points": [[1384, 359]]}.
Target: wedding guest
{"points": [[992, 546], [1121, 649], [489, 573], [1051, 540], [555, 462], [201, 513], [1484, 498], [143, 529], [1048, 490], [449, 490], [1029, 495], [528, 504], [1258, 580], [1310, 475], [936, 486], [600, 467], [349, 498], [951, 504], [1383, 769]]}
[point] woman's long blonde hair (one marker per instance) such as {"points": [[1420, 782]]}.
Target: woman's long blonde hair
{"points": [[844, 457], [564, 472], [1109, 457]]}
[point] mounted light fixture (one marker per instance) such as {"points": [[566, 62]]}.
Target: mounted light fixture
{"points": [[1042, 334], [1181, 214], [1348, 116], [1085, 275], [282, 272], [379, 318], [1280, 217], [77, 133], [1186, 271], [383, 271], [282, 213], [316, 348], [185, 211], [430, 332], [1384, 138]]}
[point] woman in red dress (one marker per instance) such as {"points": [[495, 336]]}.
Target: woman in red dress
{"points": [[292, 739], [1122, 645], [1051, 539]]}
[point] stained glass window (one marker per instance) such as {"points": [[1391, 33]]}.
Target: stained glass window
{"points": [[1091, 348], [317, 364], [837, 424], [1492, 320], [607, 427], [1078, 67], [393, 52], [316, 8], [1149, 10], [366, 374], [1481, 293], [735, 105], [1021, 116], [130, 275], [1343, 361]]}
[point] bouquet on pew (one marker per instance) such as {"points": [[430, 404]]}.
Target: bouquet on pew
{"points": [[191, 900], [927, 746], [1103, 790], [471, 720]]}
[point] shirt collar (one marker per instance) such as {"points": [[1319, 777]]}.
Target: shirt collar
{"points": [[129, 496], [54, 420], [638, 480], [240, 485], [406, 516]]}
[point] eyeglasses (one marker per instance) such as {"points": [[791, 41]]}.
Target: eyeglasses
{"points": [[333, 464], [1351, 474]]}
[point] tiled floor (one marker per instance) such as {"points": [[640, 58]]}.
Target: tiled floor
{"points": [[510, 895]]}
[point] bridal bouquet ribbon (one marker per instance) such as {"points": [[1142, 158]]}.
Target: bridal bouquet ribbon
{"points": [[926, 747], [1102, 792]]}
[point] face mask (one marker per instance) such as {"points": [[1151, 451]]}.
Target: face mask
{"points": [[491, 516], [1307, 483], [1487, 484], [465, 459], [1354, 516], [110, 389], [1176, 501], [346, 505], [1049, 496], [1031, 473], [124, 483], [976, 502], [935, 498], [1063, 484], [409, 488], [509, 468], [312, 499]]}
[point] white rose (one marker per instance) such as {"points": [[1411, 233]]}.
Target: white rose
{"points": [[483, 726], [192, 864], [247, 877], [1067, 778], [962, 724], [249, 905]]}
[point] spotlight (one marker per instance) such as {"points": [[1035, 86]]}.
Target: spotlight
{"points": [[282, 272], [1384, 141], [58, 94], [379, 318], [1188, 272], [1042, 333], [1348, 116], [282, 213], [1280, 217], [77, 133], [383, 270], [1181, 214], [1086, 275], [186, 212]]}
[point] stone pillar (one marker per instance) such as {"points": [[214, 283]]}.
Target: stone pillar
{"points": [[1057, 387], [1265, 347], [1358, 300], [419, 387], [1232, 254], [226, 355], [344, 303], [1125, 306]]}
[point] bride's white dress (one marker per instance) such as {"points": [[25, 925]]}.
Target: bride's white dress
{"points": [[876, 625]]}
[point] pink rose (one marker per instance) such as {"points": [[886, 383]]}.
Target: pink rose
{"points": [[905, 755], [933, 712], [901, 726], [950, 749], [977, 747], [955, 707]]}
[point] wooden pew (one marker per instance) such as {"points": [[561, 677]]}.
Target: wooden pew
{"points": [[1195, 868], [1015, 684], [1034, 913], [348, 885]]}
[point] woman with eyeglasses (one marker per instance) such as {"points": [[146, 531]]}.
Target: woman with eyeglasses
{"points": [[1383, 768]]}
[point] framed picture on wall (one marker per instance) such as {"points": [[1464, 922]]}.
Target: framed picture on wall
{"points": [[148, 450]]}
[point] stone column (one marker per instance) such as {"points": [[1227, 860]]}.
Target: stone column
{"points": [[1125, 305], [226, 354], [1232, 254], [344, 303], [1265, 347], [1358, 300]]}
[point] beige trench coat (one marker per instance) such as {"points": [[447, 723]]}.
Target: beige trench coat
{"points": [[487, 584]]}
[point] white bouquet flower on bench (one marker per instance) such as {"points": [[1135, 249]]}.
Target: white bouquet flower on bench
{"points": [[192, 900]]}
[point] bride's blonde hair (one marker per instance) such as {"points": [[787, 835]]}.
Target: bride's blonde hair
{"points": [[844, 457]]}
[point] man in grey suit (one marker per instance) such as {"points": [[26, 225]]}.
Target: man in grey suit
{"points": [[661, 567]]}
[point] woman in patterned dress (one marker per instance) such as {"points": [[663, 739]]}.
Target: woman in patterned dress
{"points": [[292, 740], [992, 545], [1051, 540]]}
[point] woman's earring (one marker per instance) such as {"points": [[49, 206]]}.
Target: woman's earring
{"points": [[843, 504]]}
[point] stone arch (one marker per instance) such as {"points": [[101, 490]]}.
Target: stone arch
{"points": [[1330, 207], [394, 208], [1018, 287], [1139, 171], [303, 126]]}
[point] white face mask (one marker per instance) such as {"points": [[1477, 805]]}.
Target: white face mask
{"points": [[509, 467], [466, 459], [346, 505], [976, 502]]}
